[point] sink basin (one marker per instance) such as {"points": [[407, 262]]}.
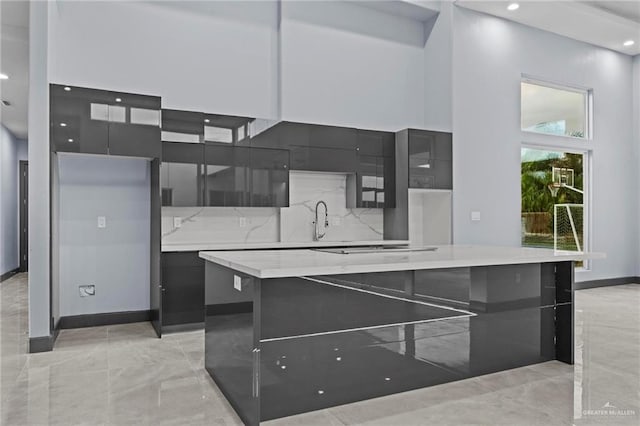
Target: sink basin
{"points": [[373, 249]]}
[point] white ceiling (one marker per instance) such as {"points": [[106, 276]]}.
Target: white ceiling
{"points": [[14, 61], [602, 23]]}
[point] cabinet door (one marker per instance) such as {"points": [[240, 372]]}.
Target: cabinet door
{"points": [[269, 177], [375, 182], [183, 284], [182, 174], [323, 159], [332, 137], [227, 176], [134, 125], [182, 126], [370, 142], [79, 119], [430, 160]]}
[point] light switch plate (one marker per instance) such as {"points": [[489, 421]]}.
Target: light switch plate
{"points": [[102, 222], [475, 216], [242, 221], [237, 282], [177, 222]]}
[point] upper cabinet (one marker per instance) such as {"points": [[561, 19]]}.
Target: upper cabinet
{"points": [[430, 159], [239, 176], [182, 126], [94, 121], [79, 119], [373, 184], [182, 174]]}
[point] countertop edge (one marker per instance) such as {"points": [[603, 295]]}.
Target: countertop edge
{"points": [[171, 248], [400, 266]]}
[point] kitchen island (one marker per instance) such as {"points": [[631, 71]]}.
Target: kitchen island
{"points": [[292, 331]]}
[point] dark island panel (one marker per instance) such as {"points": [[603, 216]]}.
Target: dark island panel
{"points": [[283, 346]]}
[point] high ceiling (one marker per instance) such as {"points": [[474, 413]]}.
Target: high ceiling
{"points": [[602, 23], [14, 62], [628, 9]]}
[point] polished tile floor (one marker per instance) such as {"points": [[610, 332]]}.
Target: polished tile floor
{"points": [[121, 375]]}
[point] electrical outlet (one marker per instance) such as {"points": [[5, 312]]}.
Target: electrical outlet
{"points": [[87, 290], [237, 282], [336, 221], [242, 221], [177, 222], [102, 222], [475, 216]]}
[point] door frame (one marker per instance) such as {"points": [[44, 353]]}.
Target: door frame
{"points": [[24, 215]]}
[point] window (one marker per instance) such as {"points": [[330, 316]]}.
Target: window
{"points": [[554, 110], [553, 211]]}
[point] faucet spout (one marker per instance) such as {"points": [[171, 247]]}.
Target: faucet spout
{"points": [[318, 235]]}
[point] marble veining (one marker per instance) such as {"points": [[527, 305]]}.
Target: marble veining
{"points": [[306, 189], [220, 224]]}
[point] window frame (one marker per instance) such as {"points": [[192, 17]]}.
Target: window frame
{"points": [[588, 106], [587, 185]]}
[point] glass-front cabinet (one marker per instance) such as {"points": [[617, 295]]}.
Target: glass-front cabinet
{"points": [[92, 121], [430, 159], [182, 174]]}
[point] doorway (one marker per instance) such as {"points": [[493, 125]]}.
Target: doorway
{"points": [[24, 216]]}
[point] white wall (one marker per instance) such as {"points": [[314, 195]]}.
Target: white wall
{"points": [[489, 57], [39, 229], [438, 76], [199, 56], [345, 64], [636, 138], [116, 258], [12, 150]]}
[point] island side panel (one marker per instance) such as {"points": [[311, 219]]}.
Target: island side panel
{"points": [[564, 318], [232, 338]]}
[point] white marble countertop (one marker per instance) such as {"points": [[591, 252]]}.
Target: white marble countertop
{"points": [[277, 245], [291, 263]]}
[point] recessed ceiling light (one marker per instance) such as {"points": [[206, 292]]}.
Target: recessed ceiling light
{"points": [[63, 124], [67, 89], [629, 43], [118, 100], [206, 120], [513, 6], [69, 140]]}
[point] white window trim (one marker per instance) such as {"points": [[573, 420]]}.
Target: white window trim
{"points": [[588, 107], [587, 183]]}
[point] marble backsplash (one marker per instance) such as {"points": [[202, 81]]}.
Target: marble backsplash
{"points": [[220, 225], [294, 223], [306, 189]]}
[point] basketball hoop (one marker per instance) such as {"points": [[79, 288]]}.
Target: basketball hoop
{"points": [[554, 188]]}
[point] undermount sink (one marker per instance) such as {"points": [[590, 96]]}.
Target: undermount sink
{"points": [[373, 249]]}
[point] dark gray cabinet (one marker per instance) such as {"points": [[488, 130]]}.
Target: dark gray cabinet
{"points": [[239, 176], [182, 174], [92, 121], [134, 130], [227, 175], [182, 288], [269, 177], [79, 120], [177, 124], [375, 171], [430, 159]]}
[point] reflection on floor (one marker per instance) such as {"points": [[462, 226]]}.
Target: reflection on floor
{"points": [[124, 375]]}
